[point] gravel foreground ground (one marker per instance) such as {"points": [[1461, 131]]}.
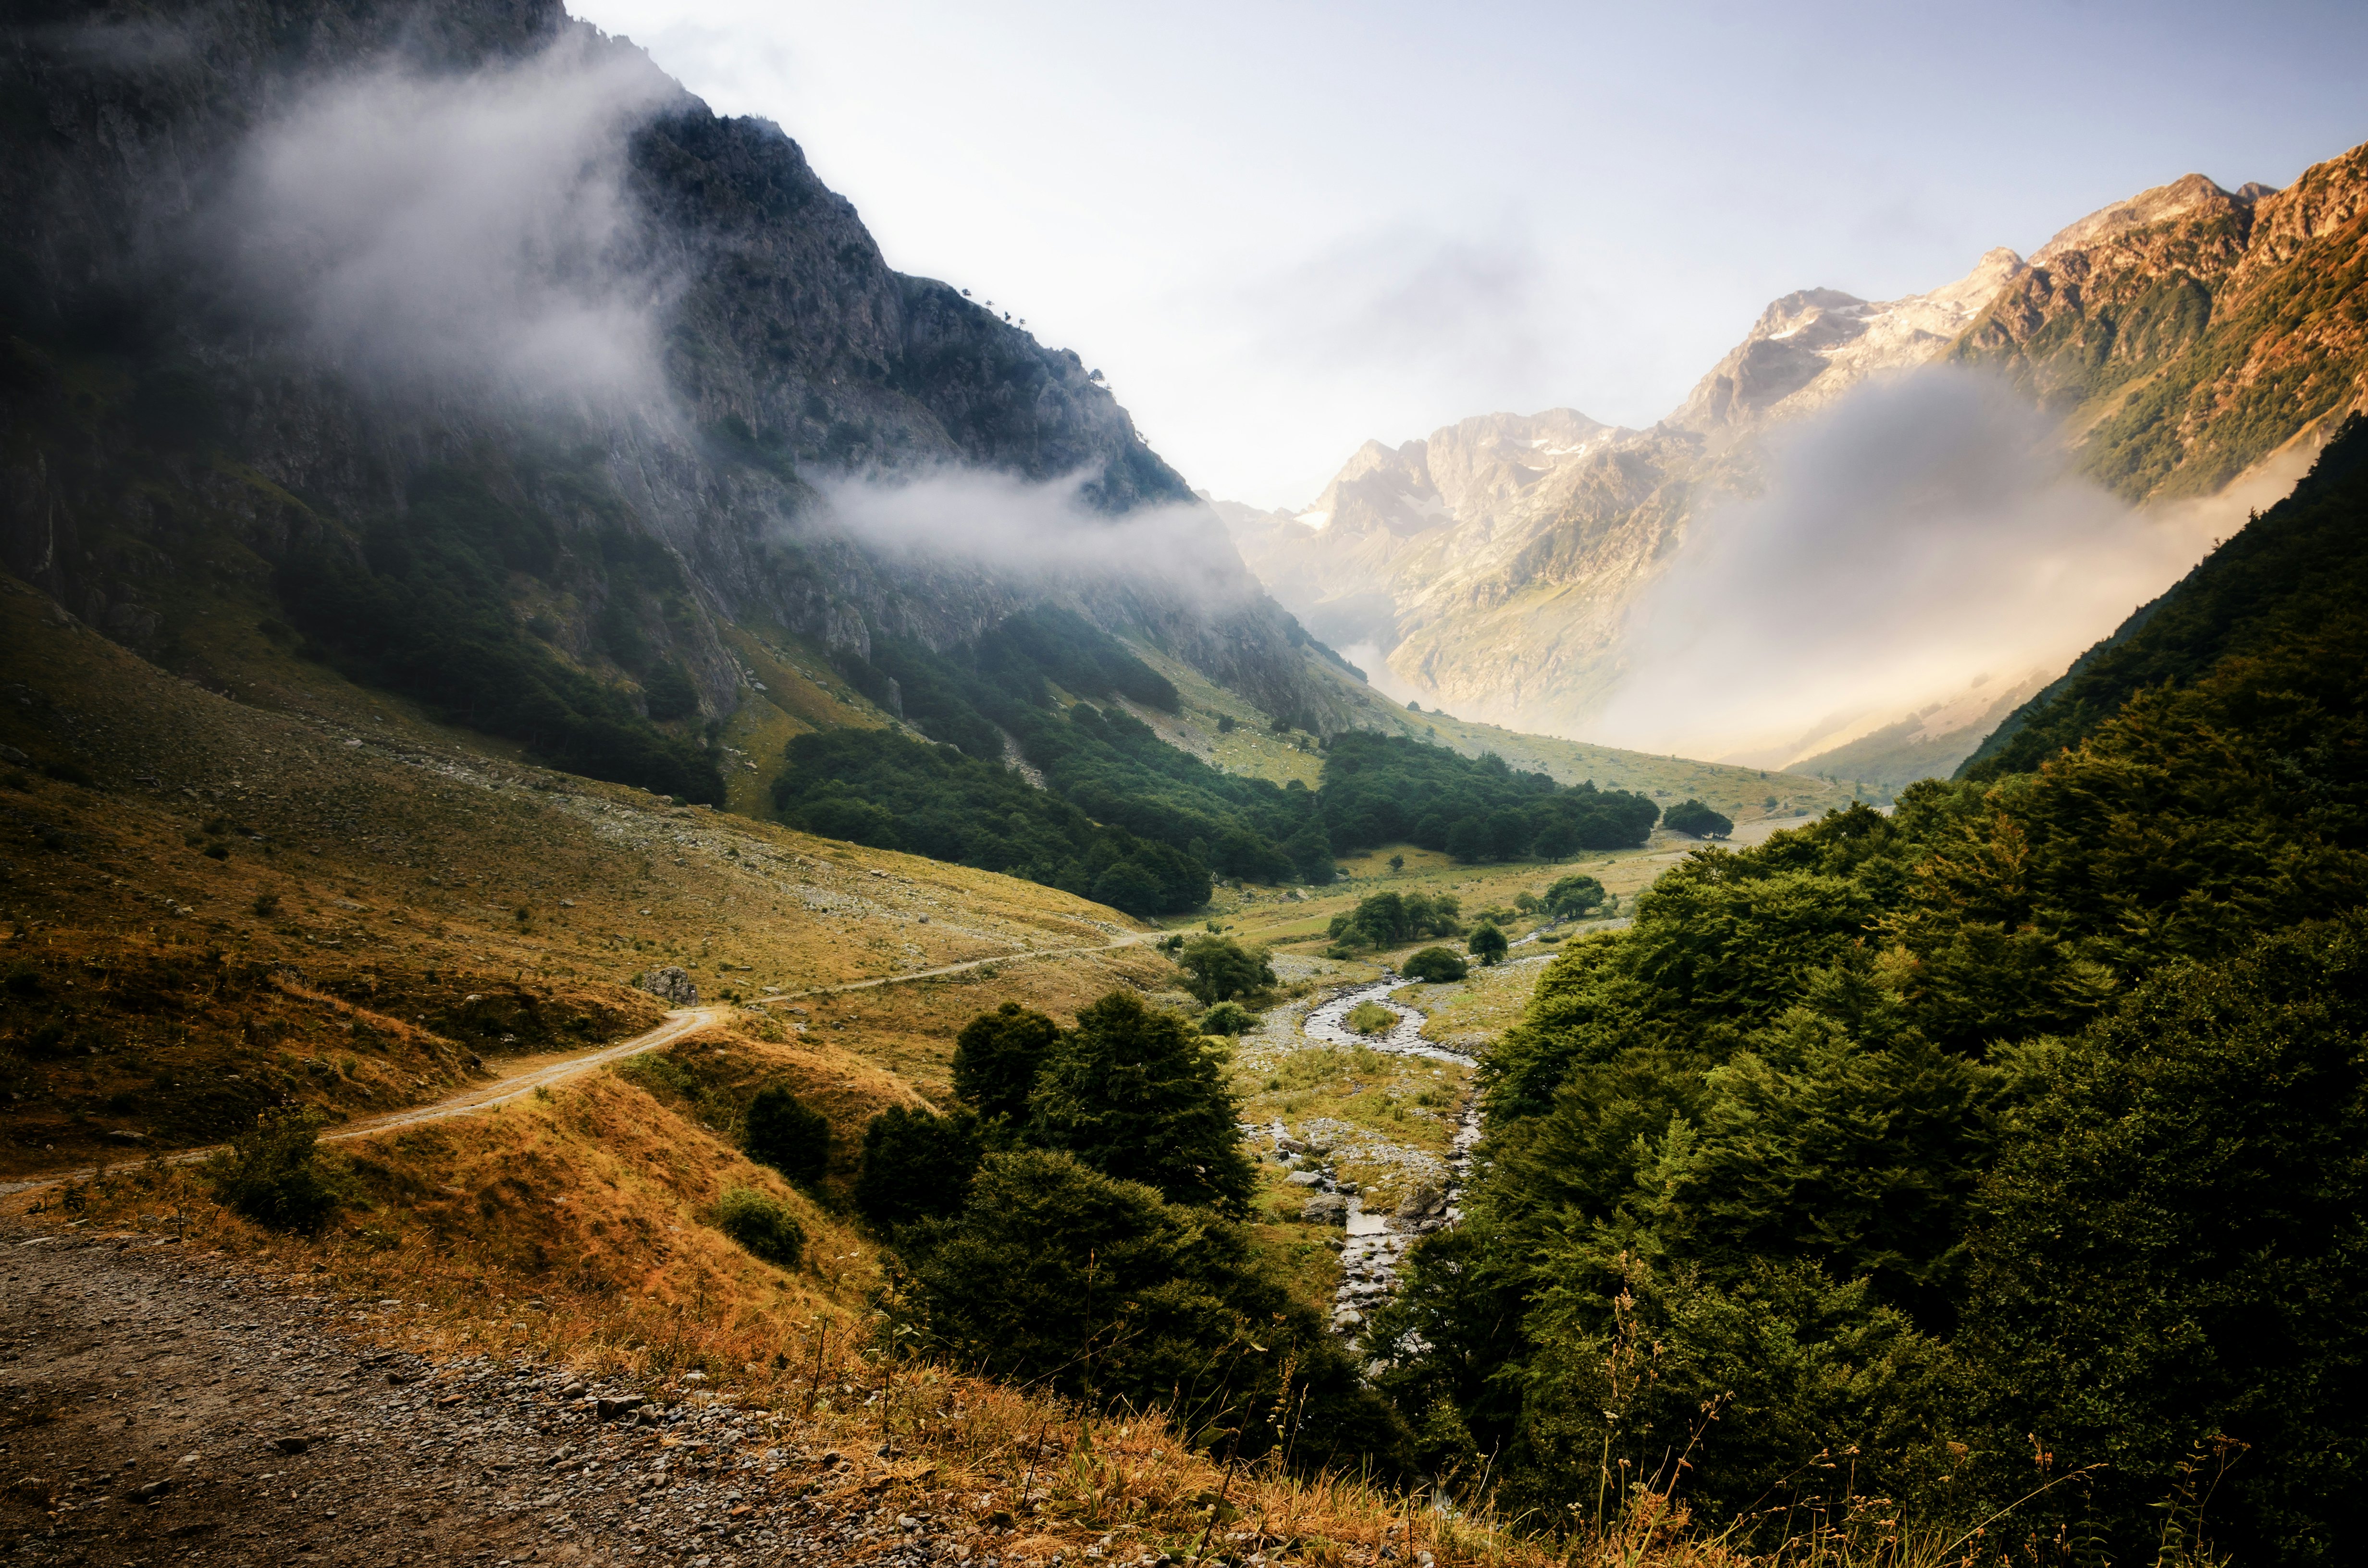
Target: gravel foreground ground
{"points": [[155, 1408]]}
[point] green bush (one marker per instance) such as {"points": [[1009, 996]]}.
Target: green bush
{"points": [[1573, 896], [1693, 817], [995, 1061], [1369, 1018], [273, 1174], [1132, 1092], [1435, 965], [1220, 968], [916, 1166], [1057, 1274], [1228, 1018], [781, 1132], [762, 1225], [1487, 944]]}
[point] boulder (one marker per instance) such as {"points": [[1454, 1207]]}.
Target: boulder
{"points": [[670, 984], [1423, 1203], [1326, 1208]]}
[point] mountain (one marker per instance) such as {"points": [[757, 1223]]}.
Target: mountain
{"points": [[459, 343], [2190, 333], [2188, 338]]}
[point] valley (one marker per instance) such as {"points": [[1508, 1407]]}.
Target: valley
{"points": [[1504, 566], [666, 898]]}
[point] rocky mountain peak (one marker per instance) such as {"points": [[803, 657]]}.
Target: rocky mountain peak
{"points": [[2190, 196], [1811, 345]]}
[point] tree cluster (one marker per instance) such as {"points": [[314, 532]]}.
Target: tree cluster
{"points": [[2031, 1113], [1692, 816], [1100, 760], [1079, 1222], [1389, 789], [1390, 919], [887, 790]]}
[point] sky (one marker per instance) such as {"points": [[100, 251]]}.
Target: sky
{"points": [[1282, 228]]}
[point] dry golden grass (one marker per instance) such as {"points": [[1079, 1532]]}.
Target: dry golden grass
{"points": [[571, 1230], [1467, 1012], [377, 871]]}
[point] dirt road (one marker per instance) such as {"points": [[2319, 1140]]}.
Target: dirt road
{"points": [[157, 1408], [956, 968], [475, 1098], [682, 1021]]}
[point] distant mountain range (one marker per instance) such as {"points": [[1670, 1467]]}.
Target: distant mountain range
{"points": [[2189, 340]]}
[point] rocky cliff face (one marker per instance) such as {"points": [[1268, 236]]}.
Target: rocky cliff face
{"points": [[2190, 333], [2185, 334], [250, 318]]}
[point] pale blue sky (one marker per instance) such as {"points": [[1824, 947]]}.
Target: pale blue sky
{"points": [[1283, 228]]}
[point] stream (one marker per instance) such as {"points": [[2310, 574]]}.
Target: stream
{"points": [[1373, 1250]]}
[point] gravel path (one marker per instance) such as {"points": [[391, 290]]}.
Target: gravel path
{"points": [[466, 1101], [155, 1408]]}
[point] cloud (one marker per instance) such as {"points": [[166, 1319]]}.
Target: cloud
{"points": [[1015, 526], [474, 225], [1921, 532]]}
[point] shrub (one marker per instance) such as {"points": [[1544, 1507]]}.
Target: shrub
{"points": [[266, 904], [1571, 897], [1228, 1018], [781, 1132], [1489, 944], [1056, 1273], [272, 1172], [1693, 817], [1132, 1092], [1371, 1017], [762, 1225], [916, 1166], [1221, 968], [1436, 965], [995, 1061]]}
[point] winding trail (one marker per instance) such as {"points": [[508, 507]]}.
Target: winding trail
{"points": [[544, 1072], [962, 968]]}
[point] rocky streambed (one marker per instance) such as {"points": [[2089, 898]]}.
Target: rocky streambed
{"points": [[1374, 1240]]}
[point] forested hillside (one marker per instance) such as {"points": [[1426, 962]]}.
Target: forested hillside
{"points": [[1125, 818], [2011, 1142], [2298, 565]]}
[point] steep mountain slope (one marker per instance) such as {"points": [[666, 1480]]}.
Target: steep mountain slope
{"points": [[2190, 332], [529, 428], [2186, 337], [2297, 571]]}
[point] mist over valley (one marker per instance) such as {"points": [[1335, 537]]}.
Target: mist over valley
{"points": [[668, 894]]}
